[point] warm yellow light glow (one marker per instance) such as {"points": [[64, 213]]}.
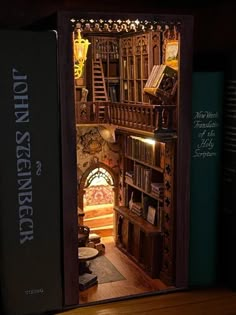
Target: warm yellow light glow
{"points": [[80, 54], [146, 140], [149, 141]]}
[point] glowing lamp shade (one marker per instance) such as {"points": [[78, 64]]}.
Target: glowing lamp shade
{"points": [[80, 54]]}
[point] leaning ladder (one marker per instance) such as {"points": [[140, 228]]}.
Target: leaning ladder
{"points": [[99, 87]]}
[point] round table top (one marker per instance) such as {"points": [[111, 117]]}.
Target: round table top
{"points": [[86, 253]]}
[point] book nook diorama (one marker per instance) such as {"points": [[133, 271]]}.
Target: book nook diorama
{"points": [[129, 93], [127, 97]]}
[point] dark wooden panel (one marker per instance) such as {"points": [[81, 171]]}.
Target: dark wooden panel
{"points": [[69, 169], [145, 241]]}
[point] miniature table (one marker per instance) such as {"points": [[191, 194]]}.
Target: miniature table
{"points": [[85, 254]]}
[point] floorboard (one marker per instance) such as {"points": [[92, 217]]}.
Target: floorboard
{"points": [[218, 301]]}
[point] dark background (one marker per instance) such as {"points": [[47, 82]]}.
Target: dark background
{"points": [[214, 37], [214, 21]]}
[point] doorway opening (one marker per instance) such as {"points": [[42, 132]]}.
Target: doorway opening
{"points": [[98, 191]]}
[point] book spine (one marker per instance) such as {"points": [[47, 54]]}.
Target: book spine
{"points": [[30, 181], [205, 176]]}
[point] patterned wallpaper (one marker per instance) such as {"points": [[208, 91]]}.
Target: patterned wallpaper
{"points": [[92, 148]]}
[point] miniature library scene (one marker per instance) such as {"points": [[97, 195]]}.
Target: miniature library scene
{"points": [[126, 97]]}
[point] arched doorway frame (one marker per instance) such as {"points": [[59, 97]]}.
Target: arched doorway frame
{"points": [[81, 186]]}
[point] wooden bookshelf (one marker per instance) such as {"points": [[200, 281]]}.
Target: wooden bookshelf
{"points": [[157, 168], [136, 235], [138, 55], [144, 191], [140, 240], [106, 49], [143, 175], [147, 178]]}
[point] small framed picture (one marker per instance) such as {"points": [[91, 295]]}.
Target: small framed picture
{"points": [[171, 53], [151, 215]]}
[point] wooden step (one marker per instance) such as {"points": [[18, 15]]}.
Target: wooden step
{"points": [[99, 221], [103, 231], [94, 211]]}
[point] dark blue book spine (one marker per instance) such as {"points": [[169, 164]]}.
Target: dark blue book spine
{"points": [[30, 180]]}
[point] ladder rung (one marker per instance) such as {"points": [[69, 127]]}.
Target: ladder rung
{"points": [[99, 87]]}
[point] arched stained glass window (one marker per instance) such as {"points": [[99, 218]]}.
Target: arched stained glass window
{"points": [[99, 176]]}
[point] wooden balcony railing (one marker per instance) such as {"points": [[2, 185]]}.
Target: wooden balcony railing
{"points": [[151, 118], [92, 112]]}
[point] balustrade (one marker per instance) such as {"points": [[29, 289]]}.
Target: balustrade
{"points": [[151, 118]]}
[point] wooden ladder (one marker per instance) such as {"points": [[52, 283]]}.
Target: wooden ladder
{"points": [[99, 87]]}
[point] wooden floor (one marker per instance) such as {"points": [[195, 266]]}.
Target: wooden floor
{"points": [[214, 301], [136, 281], [198, 302]]}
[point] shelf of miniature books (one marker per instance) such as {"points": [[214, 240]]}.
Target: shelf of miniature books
{"points": [[147, 180], [143, 178], [139, 53], [106, 50]]}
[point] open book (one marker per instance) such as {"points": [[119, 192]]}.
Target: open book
{"points": [[162, 80]]}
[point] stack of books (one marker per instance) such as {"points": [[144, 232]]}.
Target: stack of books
{"points": [[157, 190], [87, 280], [137, 208], [129, 177]]}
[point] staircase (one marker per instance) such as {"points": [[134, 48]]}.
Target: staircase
{"points": [[99, 219], [99, 86]]}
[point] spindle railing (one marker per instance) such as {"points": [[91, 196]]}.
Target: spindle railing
{"points": [[145, 117]]}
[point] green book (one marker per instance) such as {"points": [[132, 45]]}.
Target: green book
{"points": [[207, 101]]}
